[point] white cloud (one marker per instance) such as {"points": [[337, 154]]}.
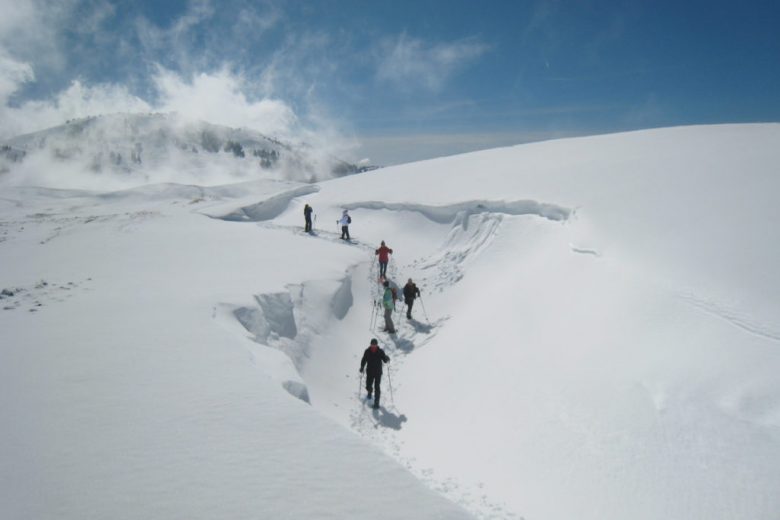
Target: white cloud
{"points": [[198, 11], [76, 101], [31, 30], [252, 21], [408, 61], [174, 38], [210, 84], [219, 98], [206, 34], [16, 13], [298, 64], [13, 74]]}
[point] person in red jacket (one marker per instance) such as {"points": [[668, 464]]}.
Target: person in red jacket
{"points": [[384, 253]]}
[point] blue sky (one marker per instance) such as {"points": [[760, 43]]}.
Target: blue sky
{"points": [[400, 80]]}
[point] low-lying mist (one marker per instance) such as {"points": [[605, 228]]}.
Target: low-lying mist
{"points": [[126, 150]]}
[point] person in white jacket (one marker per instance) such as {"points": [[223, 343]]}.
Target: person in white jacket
{"points": [[345, 221]]}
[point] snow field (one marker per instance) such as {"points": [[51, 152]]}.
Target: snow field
{"points": [[601, 340], [141, 396]]}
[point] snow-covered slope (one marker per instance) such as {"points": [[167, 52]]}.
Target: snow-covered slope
{"points": [[126, 150], [597, 339]]}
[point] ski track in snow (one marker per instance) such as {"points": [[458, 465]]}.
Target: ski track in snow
{"points": [[463, 243], [321, 234], [731, 316]]}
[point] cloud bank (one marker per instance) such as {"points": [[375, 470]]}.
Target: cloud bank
{"points": [[178, 71], [266, 66]]}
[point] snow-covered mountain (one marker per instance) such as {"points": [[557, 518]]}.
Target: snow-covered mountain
{"points": [[133, 149], [598, 338]]}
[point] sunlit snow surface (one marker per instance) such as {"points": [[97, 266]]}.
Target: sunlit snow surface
{"points": [[598, 339]]}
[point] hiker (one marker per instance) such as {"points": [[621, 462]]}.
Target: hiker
{"points": [[373, 357], [388, 302], [307, 215], [345, 221], [410, 293], [384, 253]]}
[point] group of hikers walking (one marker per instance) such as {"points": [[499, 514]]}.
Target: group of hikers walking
{"points": [[374, 356], [410, 291], [389, 297]]}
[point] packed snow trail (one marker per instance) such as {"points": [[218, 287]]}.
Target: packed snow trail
{"points": [[337, 388]]}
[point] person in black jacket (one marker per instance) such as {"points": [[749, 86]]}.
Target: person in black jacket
{"points": [[307, 215], [373, 357], [410, 293]]}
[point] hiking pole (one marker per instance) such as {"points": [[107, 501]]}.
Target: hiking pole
{"points": [[376, 314], [373, 269], [423, 308], [390, 386], [373, 315]]}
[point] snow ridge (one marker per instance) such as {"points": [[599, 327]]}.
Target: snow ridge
{"points": [[267, 209], [448, 213]]}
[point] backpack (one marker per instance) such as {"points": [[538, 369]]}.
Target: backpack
{"points": [[349, 219]]}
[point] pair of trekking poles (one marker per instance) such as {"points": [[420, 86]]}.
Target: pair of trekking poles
{"points": [[389, 385]]}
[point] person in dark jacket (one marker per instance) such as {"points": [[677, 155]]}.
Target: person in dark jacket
{"points": [[384, 253], [372, 361], [410, 293], [307, 215]]}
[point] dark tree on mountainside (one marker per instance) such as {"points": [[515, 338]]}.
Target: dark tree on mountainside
{"points": [[236, 148], [267, 157], [209, 141]]}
